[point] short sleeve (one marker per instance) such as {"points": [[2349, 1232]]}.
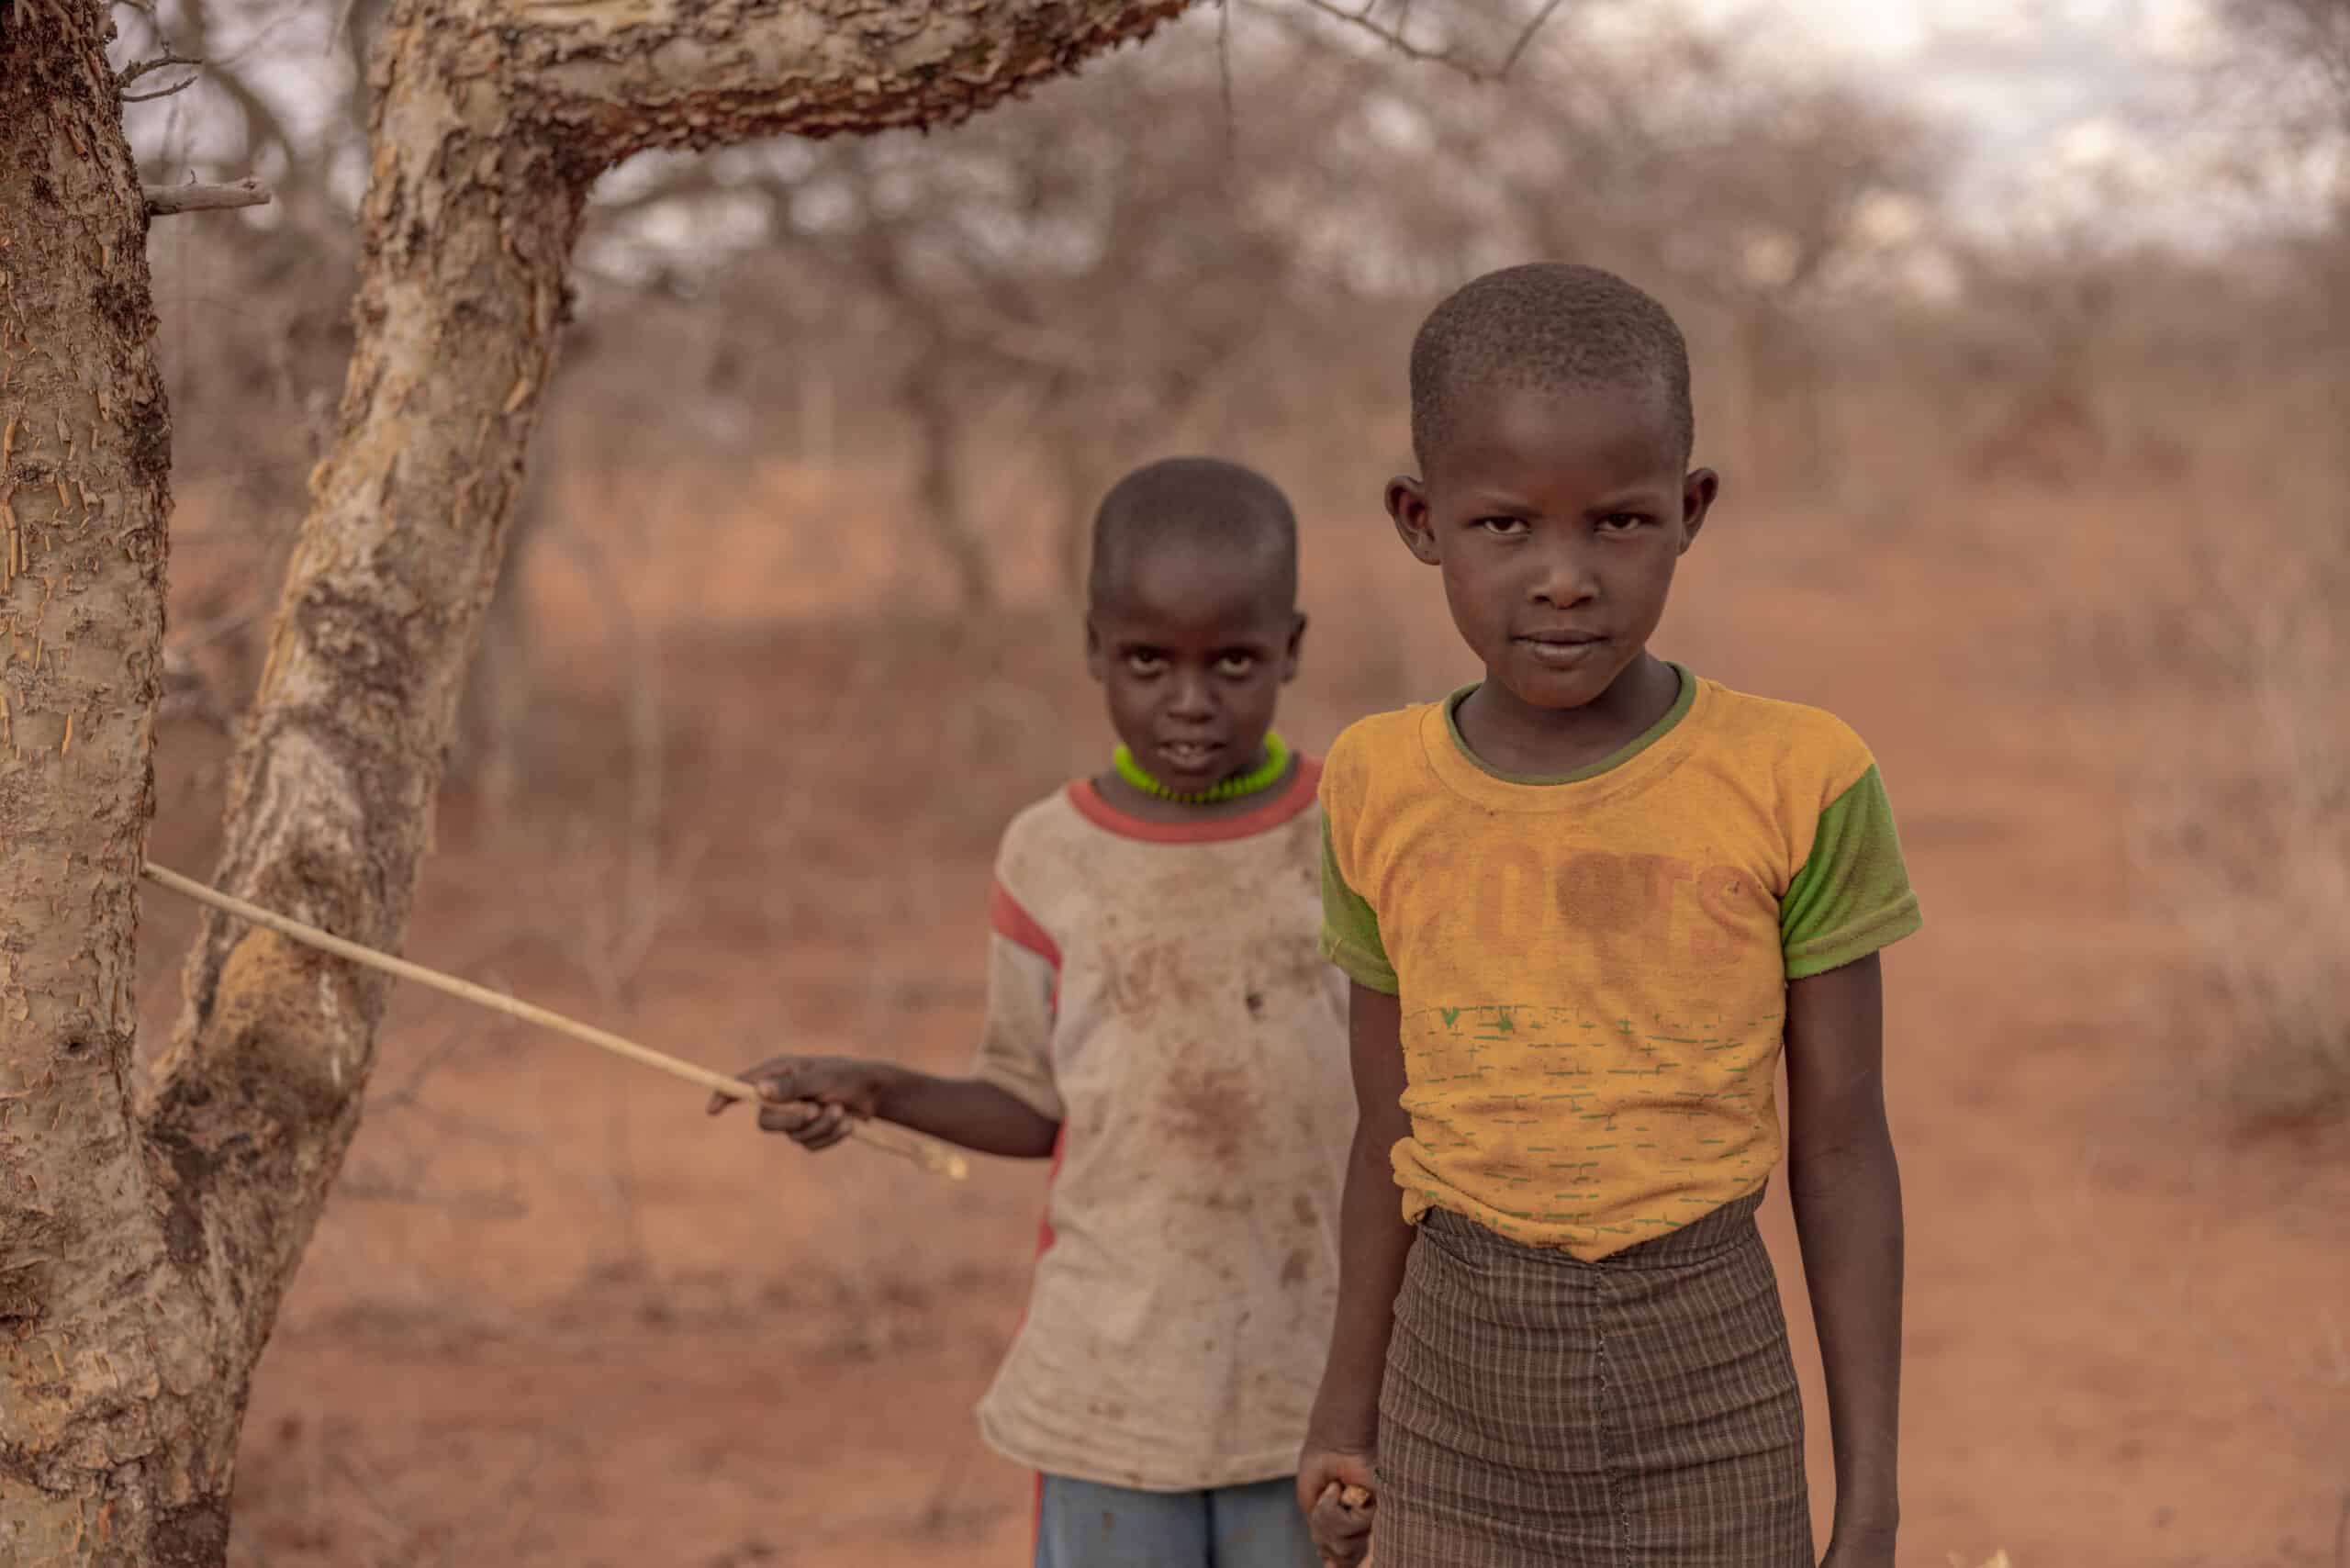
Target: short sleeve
{"points": [[1851, 897], [1023, 975], [1351, 928]]}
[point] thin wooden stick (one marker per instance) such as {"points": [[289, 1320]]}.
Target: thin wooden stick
{"points": [[927, 1152]]}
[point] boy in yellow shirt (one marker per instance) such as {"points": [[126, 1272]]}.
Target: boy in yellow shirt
{"points": [[1584, 904]]}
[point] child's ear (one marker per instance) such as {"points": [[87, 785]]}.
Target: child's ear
{"points": [[1093, 663], [1408, 503], [1296, 643], [1697, 495]]}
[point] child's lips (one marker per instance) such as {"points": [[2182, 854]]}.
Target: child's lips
{"points": [[1560, 649], [1191, 756]]}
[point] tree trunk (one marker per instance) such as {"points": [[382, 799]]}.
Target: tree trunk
{"points": [[147, 1247], [105, 1357], [466, 234]]}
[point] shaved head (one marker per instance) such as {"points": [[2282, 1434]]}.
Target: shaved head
{"points": [[1553, 328], [1193, 504]]}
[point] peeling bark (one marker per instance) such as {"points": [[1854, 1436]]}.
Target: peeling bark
{"points": [[147, 1244]]}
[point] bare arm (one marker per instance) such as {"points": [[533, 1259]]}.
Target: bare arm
{"points": [[814, 1099], [1847, 1191], [1373, 1242]]}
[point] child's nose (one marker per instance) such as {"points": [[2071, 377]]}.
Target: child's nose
{"points": [[1192, 696], [1564, 575]]}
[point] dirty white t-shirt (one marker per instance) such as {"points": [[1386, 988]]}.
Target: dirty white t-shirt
{"points": [[1157, 989]]}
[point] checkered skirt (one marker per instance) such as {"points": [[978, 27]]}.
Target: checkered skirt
{"points": [[1638, 1412]]}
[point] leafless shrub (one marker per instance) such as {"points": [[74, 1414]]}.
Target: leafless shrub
{"points": [[2250, 829]]}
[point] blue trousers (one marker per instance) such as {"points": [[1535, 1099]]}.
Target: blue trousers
{"points": [[1082, 1524]]}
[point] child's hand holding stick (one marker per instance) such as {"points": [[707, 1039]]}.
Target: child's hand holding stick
{"points": [[818, 1100]]}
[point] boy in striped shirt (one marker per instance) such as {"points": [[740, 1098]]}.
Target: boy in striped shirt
{"points": [[1163, 1026]]}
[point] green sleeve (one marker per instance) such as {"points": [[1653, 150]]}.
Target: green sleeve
{"points": [[1853, 897], [1350, 929]]}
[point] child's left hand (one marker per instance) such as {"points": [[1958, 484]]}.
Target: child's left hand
{"points": [[1340, 1521]]}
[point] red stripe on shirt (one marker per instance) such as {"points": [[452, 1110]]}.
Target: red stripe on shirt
{"points": [[1015, 924], [1008, 919]]}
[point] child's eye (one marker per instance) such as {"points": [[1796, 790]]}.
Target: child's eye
{"points": [[1145, 663], [1236, 666], [1504, 527], [1621, 522]]}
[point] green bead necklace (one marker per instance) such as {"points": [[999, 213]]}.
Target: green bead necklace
{"points": [[1262, 776]]}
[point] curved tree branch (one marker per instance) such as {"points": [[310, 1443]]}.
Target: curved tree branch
{"points": [[617, 77], [1397, 36], [163, 62]]}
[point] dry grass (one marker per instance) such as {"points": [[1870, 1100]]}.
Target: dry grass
{"points": [[2251, 844], [2245, 787]]}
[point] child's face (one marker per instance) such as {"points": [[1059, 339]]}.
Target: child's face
{"points": [[1193, 649], [1556, 520]]}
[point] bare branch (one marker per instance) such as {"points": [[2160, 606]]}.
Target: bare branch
{"points": [[173, 91], [1541, 19], [1392, 36], [163, 62], [165, 200], [1365, 20]]}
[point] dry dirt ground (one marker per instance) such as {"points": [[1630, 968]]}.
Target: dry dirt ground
{"points": [[556, 1316]]}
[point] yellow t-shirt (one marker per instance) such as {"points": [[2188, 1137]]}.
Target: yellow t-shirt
{"points": [[1592, 970]]}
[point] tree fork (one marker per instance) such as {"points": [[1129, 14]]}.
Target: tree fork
{"points": [[147, 1247], [490, 122]]}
